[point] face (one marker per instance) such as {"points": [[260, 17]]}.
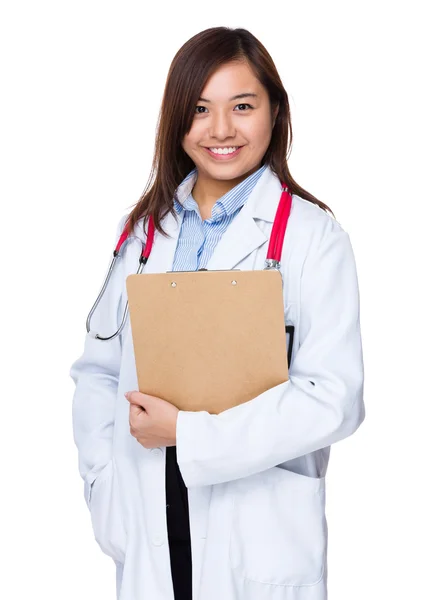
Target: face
{"points": [[233, 115]]}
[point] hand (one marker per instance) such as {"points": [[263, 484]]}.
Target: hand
{"points": [[153, 421]]}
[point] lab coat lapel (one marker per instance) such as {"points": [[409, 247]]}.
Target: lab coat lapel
{"points": [[242, 237], [163, 252], [238, 241]]}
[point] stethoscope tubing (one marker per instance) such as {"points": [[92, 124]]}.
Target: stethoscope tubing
{"points": [[272, 261]]}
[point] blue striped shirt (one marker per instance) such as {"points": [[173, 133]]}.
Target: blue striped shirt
{"points": [[198, 239]]}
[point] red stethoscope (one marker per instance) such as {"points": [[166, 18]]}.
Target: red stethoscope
{"points": [[272, 258]]}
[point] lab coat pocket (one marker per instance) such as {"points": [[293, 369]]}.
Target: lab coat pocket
{"points": [[278, 534], [106, 515]]}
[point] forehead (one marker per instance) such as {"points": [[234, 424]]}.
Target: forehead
{"points": [[230, 79]]}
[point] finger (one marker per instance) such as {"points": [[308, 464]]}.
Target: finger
{"points": [[136, 409], [135, 397], [135, 416]]}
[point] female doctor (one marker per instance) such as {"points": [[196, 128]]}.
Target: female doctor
{"points": [[192, 505]]}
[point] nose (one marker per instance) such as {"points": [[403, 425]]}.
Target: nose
{"points": [[221, 126]]}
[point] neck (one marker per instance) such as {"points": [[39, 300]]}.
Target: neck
{"points": [[207, 190]]}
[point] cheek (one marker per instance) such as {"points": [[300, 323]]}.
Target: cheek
{"points": [[262, 132], [193, 137], [186, 143]]}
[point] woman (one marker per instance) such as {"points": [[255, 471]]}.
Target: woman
{"points": [[191, 505]]}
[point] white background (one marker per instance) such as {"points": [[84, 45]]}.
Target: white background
{"points": [[82, 84]]}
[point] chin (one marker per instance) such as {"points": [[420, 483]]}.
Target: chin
{"points": [[226, 173]]}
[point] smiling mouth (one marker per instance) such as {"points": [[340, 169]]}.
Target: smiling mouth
{"points": [[223, 153], [223, 149]]}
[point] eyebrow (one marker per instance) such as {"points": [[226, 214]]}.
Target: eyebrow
{"points": [[237, 97]]}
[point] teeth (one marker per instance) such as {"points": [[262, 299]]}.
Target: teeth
{"points": [[224, 150]]}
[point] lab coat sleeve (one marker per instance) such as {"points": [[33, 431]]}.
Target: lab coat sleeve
{"points": [[96, 376], [321, 403]]}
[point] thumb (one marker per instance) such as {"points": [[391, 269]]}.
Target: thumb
{"points": [[136, 397]]}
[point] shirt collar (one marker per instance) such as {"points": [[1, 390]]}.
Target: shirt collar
{"points": [[184, 190], [226, 205]]}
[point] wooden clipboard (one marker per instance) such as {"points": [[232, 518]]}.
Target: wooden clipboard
{"points": [[208, 340]]}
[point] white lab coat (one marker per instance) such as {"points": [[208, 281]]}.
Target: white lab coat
{"points": [[255, 473]]}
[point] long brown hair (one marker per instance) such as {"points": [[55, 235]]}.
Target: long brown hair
{"points": [[191, 67]]}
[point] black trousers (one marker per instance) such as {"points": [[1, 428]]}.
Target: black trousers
{"points": [[177, 513]]}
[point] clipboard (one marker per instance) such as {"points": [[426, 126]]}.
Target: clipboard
{"points": [[208, 340]]}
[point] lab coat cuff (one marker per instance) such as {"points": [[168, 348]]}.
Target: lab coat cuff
{"points": [[190, 427]]}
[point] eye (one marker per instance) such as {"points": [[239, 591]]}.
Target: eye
{"points": [[243, 109], [249, 105]]}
